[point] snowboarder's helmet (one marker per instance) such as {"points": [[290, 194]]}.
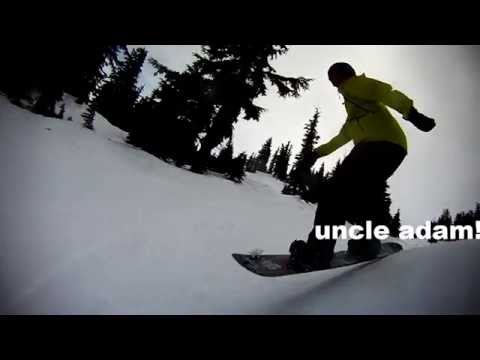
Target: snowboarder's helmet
{"points": [[339, 72]]}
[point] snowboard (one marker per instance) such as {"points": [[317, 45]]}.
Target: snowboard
{"points": [[277, 265]]}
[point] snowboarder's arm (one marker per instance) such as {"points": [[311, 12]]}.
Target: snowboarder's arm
{"points": [[396, 100], [374, 90], [335, 143]]}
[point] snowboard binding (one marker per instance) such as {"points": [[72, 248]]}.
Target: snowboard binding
{"points": [[308, 256]]}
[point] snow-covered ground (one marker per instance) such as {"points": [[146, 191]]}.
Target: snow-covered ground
{"points": [[91, 225]]}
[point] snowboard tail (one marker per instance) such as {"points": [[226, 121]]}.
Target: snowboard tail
{"points": [[278, 265]]}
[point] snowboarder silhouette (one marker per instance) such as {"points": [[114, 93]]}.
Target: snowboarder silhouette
{"points": [[354, 193]]}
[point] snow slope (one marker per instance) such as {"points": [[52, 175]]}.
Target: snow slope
{"points": [[91, 225]]}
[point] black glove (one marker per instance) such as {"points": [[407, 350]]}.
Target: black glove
{"points": [[420, 121]]}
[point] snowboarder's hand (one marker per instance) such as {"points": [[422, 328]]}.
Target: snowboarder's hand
{"points": [[317, 153], [420, 121]]}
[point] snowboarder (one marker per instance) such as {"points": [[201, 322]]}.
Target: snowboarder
{"points": [[355, 192]]}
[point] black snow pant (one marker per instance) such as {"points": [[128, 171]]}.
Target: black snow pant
{"points": [[356, 192]]}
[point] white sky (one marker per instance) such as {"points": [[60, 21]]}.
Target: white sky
{"points": [[441, 169]]}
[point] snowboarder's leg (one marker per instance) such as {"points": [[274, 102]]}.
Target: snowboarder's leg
{"points": [[355, 194], [378, 160], [333, 206], [367, 207], [331, 210], [312, 253]]}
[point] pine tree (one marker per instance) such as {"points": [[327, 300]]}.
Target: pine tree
{"points": [[225, 157], [172, 120], [19, 71], [278, 162], [251, 165], [385, 216], [432, 240], [117, 97], [459, 218], [301, 172], [88, 117], [87, 68], [49, 96], [445, 219], [236, 169], [314, 186], [321, 172], [281, 165], [318, 181], [395, 225], [477, 212], [227, 152], [469, 218], [239, 75], [277, 165], [264, 156], [273, 161], [50, 72], [332, 172], [62, 111]]}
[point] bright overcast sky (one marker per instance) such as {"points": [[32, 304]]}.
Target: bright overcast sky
{"points": [[441, 169]]}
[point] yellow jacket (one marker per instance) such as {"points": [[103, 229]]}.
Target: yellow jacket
{"points": [[368, 119]]}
